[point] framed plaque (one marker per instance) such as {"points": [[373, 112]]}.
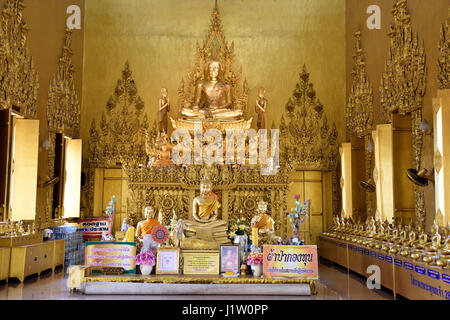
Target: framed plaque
{"points": [[229, 258], [168, 261], [200, 262]]}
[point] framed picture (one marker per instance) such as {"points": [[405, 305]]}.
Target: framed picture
{"points": [[168, 261], [229, 258]]}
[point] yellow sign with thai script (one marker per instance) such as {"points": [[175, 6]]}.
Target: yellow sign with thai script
{"points": [[111, 254], [290, 261]]}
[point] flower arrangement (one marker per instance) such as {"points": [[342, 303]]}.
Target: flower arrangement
{"points": [[255, 258], [146, 258], [238, 227], [297, 217]]}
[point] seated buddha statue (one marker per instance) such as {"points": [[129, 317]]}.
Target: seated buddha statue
{"points": [[205, 231], [146, 226], [265, 225], [212, 98]]}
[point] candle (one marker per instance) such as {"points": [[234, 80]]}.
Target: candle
{"points": [[255, 236]]}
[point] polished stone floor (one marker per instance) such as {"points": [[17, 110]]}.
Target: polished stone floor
{"points": [[334, 284]]}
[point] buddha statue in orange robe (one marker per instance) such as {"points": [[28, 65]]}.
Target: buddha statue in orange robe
{"points": [[146, 226], [265, 225]]}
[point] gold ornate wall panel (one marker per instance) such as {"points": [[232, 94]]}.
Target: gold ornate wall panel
{"points": [[307, 142], [359, 113], [239, 190], [63, 108], [444, 56], [120, 135], [63, 111], [215, 47], [403, 85], [18, 78]]}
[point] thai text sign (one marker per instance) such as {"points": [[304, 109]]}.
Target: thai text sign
{"points": [[291, 261], [111, 254], [93, 227]]}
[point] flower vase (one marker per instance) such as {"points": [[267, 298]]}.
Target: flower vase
{"points": [[242, 241], [146, 269], [257, 270]]}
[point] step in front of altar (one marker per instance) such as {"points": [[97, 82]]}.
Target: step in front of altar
{"points": [[191, 285]]}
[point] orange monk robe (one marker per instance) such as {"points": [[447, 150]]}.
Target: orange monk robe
{"points": [[147, 227], [266, 222]]}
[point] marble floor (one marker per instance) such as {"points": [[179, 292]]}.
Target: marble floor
{"points": [[334, 284]]}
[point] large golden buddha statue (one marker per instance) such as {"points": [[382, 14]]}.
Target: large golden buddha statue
{"points": [[205, 231], [212, 98]]}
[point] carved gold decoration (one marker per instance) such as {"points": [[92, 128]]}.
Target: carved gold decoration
{"points": [[403, 85], [444, 56], [307, 140], [63, 110], [121, 133], [359, 113], [215, 47], [18, 78]]}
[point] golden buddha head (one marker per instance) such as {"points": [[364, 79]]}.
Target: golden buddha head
{"points": [[214, 69], [164, 92], [149, 212], [261, 206], [205, 185]]}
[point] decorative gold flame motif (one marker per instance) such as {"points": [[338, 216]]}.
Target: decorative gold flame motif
{"points": [[444, 56], [63, 108], [403, 85], [18, 78], [308, 142], [359, 112]]}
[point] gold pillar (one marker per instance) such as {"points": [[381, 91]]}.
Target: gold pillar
{"points": [[441, 108]]}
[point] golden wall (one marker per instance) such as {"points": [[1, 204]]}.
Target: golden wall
{"points": [[47, 22], [273, 39], [426, 20]]}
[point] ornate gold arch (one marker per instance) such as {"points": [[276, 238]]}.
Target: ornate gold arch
{"points": [[215, 47], [444, 56], [306, 140], [63, 109], [359, 112], [403, 85], [18, 78], [121, 133]]}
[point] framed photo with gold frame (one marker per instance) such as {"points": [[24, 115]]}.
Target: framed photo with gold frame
{"points": [[168, 261], [229, 258]]}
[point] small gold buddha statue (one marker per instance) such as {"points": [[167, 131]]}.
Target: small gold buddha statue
{"points": [[265, 225], [432, 249], [205, 231], [212, 98], [163, 147], [444, 254], [146, 226]]}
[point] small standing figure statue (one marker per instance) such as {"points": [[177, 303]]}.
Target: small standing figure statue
{"points": [[261, 108], [163, 109]]}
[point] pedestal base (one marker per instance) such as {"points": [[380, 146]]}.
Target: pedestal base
{"points": [[201, 285]]}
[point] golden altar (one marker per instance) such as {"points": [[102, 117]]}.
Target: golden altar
{"points": [[119, 162]]}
